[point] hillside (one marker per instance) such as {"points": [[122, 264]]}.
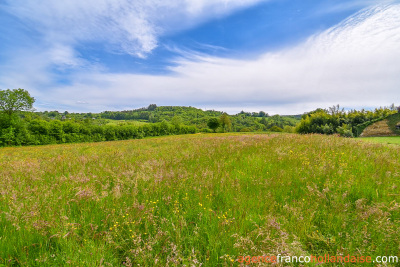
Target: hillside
{"points": [[181, 115], [196, 200], [386, 127], [393, 122], [380, 128]]}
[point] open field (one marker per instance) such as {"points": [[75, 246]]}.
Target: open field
{"points": [[198, 199], [382, 140]]}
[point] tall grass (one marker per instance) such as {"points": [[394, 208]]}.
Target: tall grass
{"points": [[199, 199]]}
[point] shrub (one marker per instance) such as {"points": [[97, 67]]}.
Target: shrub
{"points": [[213, 123], [246, 129], [345, 131], [327, 129], [288, 129], [276, 129]]}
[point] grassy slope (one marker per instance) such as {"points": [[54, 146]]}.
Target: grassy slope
{"points": [[380, 128], [200, 198], [392, 121]]}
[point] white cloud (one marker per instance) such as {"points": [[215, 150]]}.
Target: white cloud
{"points": [[131, 27], [355, 64]]}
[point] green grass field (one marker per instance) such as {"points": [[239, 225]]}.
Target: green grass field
{"points": [[382, 140], [198, 200]]}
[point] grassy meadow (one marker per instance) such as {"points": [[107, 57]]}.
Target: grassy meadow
{"points": [[194, 200], [382, 140]]}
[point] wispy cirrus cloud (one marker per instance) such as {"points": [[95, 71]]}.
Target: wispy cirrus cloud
{"points": [[125, 26], [355, 64]]}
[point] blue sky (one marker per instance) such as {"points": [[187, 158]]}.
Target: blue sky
{"points": [[280, 56]]}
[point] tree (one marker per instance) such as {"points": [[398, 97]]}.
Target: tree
{"points": [[213, 124], [176, 121], [12, 101], [152, 107], [225, 122]]}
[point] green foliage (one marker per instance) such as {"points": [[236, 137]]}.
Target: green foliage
{"points": [[393, 121], [225, 122], [328, 129], [345, 131], [336, 120], [276, 129], [206, 130], [7, 136], [152, 107], [257, 121], [289, 129], [213, 124], [12, 101], [243, 130], [40, 132]]}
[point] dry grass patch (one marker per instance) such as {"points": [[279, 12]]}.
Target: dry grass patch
{"points": [[380, 128]]}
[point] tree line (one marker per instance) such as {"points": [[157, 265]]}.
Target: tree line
{"points": [[338, 121], [177, 115], [20, 126], [42, 132]]}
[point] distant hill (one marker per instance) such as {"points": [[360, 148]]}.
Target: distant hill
{"points": [[181, 115], [243, 121]]}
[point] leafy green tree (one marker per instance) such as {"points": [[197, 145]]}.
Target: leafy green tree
{"points": [[176, 121], [152, 107], [12, 101], [213, 124], [225, 122]]}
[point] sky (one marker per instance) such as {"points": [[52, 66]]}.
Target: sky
{"points": [[279, 56]]}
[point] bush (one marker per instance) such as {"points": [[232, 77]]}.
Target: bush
{"points": [[213, 123], [275, 129], [7, 136], [288, 129], [246, 130], [327, 129], [345, 131]]}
